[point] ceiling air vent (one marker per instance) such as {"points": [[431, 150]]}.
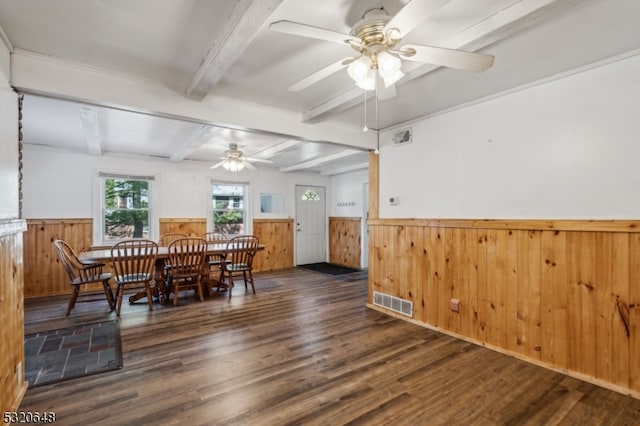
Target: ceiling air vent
{"points": [[396, 304], [402, 137]]}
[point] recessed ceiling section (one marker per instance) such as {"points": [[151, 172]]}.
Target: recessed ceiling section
{"points": [[201, 57], [101, 130]]}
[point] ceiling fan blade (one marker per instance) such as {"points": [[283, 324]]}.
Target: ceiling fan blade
{"points": [[319, 75], [248, 165], [257, 160], [411, 15], [310, 31], [215, 166], [459, 59]]}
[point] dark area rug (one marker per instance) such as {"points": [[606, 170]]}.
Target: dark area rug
{"points": [[328, 268], [63, 354]]}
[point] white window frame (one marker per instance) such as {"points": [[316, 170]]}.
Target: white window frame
{"points": [[248, 211], [99, 204]]}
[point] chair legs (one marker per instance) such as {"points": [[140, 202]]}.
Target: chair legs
{"points": [[147, 286], [248, 278], [175, 287], [74, 297], [76, 291], [120, 295], [109, 294], [230, 285]]}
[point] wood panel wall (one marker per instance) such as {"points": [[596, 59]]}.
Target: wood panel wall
{"points": [[12, 384], [561, 294], [194, 227], [345, 241], [277, 236], [44, 276], [43, 273]]}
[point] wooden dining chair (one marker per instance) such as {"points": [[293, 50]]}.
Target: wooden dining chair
{"points": [[82, 274], [168, 238], [134, 263], [214, 272], [187, 257], [163, 241], [239, 260]]}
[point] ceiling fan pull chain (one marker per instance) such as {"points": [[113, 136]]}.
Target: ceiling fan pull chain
{"points": [[376, 85], [365, 128]]}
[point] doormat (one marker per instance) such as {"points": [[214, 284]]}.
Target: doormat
{"points": [[67, 353], [328, 268]]}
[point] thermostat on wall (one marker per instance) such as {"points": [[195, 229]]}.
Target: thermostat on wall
{"points": [[393, 201]]}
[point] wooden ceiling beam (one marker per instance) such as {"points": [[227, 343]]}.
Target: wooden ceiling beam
{"points": [[318, 161], [189, 146], [244, 23], [91, 127]]}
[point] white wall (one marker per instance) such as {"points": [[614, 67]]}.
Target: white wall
{"points": [[61, 184], [346, 194], [8, 141], [566, 148]]}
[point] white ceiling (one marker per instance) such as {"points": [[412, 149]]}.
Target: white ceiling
{"points": [[224, 49]]}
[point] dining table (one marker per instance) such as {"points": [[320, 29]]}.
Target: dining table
{"points": [[103, 255]]}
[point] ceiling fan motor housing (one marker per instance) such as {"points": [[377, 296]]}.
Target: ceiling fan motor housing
{"points": [[370, 30]]}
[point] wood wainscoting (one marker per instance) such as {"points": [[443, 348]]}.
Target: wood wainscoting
{"points": [[561, 294], [43, 273], [194, 227], [12, 384], [277, 237], [44, 276], [345, 241]]}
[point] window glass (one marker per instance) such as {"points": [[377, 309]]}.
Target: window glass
{"points": [[310, 195], [229, 208], [125, 207]]}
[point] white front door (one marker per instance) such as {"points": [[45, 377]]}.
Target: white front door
{"points": [[310, 224]]}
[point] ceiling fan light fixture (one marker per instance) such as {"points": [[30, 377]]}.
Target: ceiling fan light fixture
{"points": [[388, 65], [359, 69], [368, 82], [233, 165], [391, 80]]}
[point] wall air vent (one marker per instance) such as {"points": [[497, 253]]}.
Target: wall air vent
{"points": [[396, 304], [402, 137]]}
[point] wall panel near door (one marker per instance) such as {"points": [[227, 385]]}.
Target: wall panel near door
{"points": [[194, 227], [43, 273], [562, 294], [277, 237], [12, 384], [344, 241]]}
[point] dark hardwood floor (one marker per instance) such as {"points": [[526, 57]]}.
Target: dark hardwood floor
{"points": [[305, 350]]}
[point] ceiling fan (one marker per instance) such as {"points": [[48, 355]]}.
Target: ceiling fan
{"points": [[234, 161], [376, 38]]}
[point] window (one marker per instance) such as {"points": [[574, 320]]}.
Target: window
{"points": [[310, 195], [125, 209], [229, 202]]}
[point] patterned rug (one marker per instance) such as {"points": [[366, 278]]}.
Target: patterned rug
{"points": [[67, 353]]}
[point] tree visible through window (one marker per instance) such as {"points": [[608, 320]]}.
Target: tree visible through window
{"points": [[229, 214], [126, 208]]}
